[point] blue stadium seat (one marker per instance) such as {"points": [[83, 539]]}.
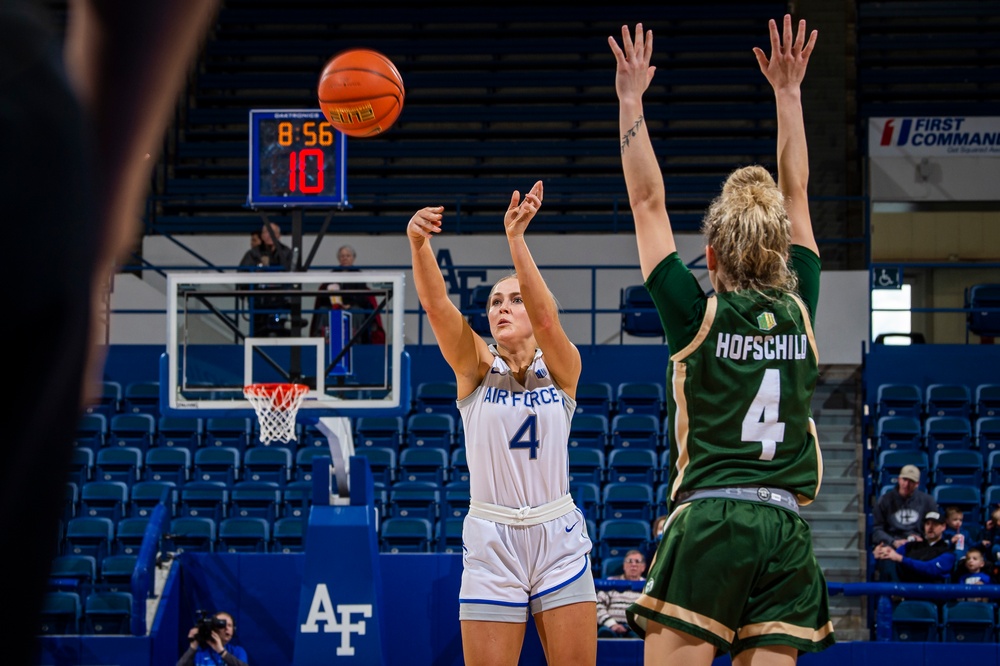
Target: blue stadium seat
{"points": [[424, 464], [167, 464], [91, 431], [627, 500], [129, 533], [142, 397], [382, 431], [216, 463], [382, 461], [988, 434], [915, 620], [234, 432], [267, 463], [109, 401], [303, 469], [640, 431], [661, 495], [634, 465], [899, 399], [947, 432], [255, 499], [898, 433], [135, 430], [203, 499], [73, 573], [948, 400], [89, 535], [987, 400], [589, 431], [436, 397], [459, 470], [288, 535], [61, 613], [640, 398], [409, 499], [612, 566], [969, 622], [81, 465], [964, 467], [992, 471], [587, 497], [244, 534], [296, 499], [449, 538], [595, 398], [455, 501], [619, 535], [191, 533], [104, 498], [586, 465], [406, 534], [476, 308], [426, 430], [180, 431], [991, 499], [983, 301], [638, 314], [119, 464], [116, 572], [107, 612]]}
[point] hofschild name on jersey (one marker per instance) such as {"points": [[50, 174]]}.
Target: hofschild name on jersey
{"points": [[956, 136]]}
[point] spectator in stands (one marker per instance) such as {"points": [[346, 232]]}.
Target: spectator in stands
{"points": [[526, 549], [736, 488], [989, 537], [927, 560], [346, 257], [218, 649], [271, 253], [255, 241], [898, 514], [954, 533], [88, 91], [971, 570], [611, 604]]}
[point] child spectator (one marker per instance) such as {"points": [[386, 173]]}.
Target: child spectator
{"points": [[959, 538], [989, 537], [970, 570]]}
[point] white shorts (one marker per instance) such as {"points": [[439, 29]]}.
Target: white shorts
{"points": [[511, 570]]}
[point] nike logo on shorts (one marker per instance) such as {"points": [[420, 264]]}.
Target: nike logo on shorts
{"points": [[570, 528]]}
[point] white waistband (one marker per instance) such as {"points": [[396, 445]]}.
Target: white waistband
{"points": [[526, 515]]}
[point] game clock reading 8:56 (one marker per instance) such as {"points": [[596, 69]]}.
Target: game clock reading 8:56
{"points": [[296, 159]]}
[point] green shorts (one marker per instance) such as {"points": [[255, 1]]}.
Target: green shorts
{"points": [[738, 574]]}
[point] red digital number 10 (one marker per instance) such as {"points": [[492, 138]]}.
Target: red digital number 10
{"points": [[297, 161]]}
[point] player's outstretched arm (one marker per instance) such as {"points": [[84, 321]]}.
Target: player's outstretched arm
{"points": [[461, 347], [643, 179], [561, 356], [784, 70]]}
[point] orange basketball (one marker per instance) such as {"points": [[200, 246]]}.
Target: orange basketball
{"points": [[361, 92]]}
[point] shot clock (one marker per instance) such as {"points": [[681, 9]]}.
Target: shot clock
{"points": [[296, 159]]}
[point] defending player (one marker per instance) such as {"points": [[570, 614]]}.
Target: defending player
{"points": [[735, 571], [525, 543]]}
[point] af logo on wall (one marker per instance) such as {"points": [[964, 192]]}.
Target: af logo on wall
{"points": [[336, 619]]}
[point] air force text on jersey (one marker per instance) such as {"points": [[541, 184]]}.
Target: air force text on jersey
{"points": [[543, 396]]}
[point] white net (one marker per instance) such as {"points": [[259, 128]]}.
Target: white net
{"points": [[276, 406]]}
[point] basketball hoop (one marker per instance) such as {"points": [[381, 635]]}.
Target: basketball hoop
{"points": [[276, 406]]}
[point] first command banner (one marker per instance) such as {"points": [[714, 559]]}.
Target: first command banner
{"points": [[941, 136]]}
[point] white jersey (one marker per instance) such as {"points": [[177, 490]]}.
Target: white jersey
{"points": [[516, 436]]}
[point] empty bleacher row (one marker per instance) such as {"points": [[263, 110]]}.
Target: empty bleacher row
{"points": [[486, 94], [951, 432]]}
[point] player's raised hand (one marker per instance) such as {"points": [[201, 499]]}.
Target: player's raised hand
{"points": [[633, 72], [425, 222], [789, 56], [520, 212]]}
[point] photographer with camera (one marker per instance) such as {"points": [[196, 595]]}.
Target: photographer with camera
{"points": [[210, 644]]}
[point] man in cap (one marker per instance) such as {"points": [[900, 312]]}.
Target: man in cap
{"points": [[899, 512], [929, 560]]}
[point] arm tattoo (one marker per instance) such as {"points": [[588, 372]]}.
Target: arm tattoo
{"points": [[630, 134]]}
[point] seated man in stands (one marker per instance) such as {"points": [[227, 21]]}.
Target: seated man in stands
{"points": [[898, 514], [611, 604], [930, 560]]}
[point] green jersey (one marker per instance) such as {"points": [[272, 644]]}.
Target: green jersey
{"points": [[740, 380]]}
